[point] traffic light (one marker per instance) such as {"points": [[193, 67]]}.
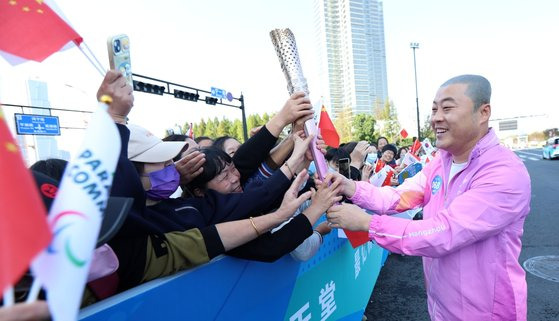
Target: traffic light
{"points": [[148, 88], [185, 95], [211, 100]]}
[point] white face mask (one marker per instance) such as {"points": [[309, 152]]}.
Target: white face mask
{"points": [[371, 158], [332, 170]]}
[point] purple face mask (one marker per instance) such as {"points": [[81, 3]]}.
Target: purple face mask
{"points": [[164, 183]]}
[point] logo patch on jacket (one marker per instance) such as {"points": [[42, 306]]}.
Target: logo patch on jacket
{"points": [[436, 184]]}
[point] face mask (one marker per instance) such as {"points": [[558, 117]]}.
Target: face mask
{"points": [[371, 158], [164, 183], [332, 170]]}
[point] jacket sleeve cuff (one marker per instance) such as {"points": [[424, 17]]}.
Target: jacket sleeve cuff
{"points": [[214, 246], [374, 226], [358, 195]]}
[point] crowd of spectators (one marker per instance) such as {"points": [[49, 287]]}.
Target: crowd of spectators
{"points": [[197, 198]]}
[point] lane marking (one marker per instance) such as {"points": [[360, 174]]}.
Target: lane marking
{"points": [[535, 154]]}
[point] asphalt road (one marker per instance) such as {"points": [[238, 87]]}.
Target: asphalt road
{"points": [[399, 293]]}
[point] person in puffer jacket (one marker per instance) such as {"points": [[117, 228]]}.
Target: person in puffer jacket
{"points": [[475, 196]]}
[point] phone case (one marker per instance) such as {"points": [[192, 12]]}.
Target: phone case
{"points": [[119, 55], [343, 167]]}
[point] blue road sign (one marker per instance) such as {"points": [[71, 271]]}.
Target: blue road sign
{"points": [[37, 125], [218, 93]]}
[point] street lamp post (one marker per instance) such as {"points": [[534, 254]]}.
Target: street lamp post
{"points": [[413, 46]]}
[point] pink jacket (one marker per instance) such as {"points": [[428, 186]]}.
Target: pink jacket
{"points": [[470, 235]]}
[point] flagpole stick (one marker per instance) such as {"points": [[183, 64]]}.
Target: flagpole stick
{"points": [[98, 67], [9, 296], [34, 291], [99, 64]]}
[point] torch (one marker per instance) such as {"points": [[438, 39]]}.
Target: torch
{"points": [[286, 49]]}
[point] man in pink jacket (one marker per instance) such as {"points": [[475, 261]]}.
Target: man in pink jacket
{"points": [[475, 196]]}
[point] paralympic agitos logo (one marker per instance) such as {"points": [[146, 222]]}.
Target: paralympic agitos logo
{"points": [[80, 203], [68, 252]]}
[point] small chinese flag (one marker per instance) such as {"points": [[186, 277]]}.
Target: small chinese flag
{"points": [[24, 231], [379, 165], [388, 178], [327, 129], [404, 133], [415, 147], [32, 30]]}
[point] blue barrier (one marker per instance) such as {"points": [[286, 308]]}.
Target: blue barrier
{"points": [[335, 284]]}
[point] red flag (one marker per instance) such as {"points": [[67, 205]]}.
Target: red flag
{"points": [[415, 147], [387, 180], [357, 238], [379, 165], [32, 30], [190, 132], [24, 230], [404, 133], [327, 130]]}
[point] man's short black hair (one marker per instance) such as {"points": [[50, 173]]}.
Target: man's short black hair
{"points": [[479, 88]]}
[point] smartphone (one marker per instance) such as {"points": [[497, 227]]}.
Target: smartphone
{"points": [[119, 55], [343, 167]]}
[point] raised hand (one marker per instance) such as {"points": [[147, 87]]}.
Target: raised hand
{"points": [[323, 198], [347, 186], [190, 166], [297, 107], [291, 201], [358, 154], [115, 85], [300, 157], [366, 172]]}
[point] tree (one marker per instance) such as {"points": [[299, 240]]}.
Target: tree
{"points": [[551, 132], [537, 137], [211, 128], [237, 130], [391, 124], [254, 120], [364, 128], [224, 127], [200, 128], [343, 124], [427, 131], [194, 129], [265, 118]]}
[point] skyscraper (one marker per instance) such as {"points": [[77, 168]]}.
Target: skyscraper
{"points": [[350, 42]]}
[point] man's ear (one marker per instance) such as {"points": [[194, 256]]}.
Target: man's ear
{"points": [[485, 113]]}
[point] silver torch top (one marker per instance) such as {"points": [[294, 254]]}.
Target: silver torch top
{"points": [[286, 49]]}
